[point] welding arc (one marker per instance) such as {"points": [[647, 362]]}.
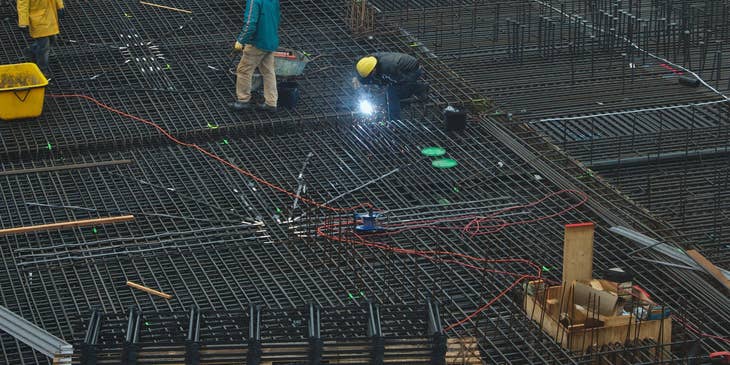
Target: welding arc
{"points": [[472, 228], [208, 153]]}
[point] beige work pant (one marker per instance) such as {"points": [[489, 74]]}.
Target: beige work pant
{"points": [[251, 59]]}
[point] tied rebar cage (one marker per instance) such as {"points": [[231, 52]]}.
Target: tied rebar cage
{"points": [[554, 64], [261, 211]]}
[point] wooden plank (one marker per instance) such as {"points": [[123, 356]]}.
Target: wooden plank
{"points": [[71, 224], [149, 290], [463, 351], [584, 295], [578, 253], [709, 267]]}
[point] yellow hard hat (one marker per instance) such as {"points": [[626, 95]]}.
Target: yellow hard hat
{"points": [[366, 65]]}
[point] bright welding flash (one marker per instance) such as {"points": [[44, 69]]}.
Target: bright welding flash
{"points": [[366, 107]]}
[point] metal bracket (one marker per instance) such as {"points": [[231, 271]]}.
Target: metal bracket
{"points": [[192, 342], [253, 356], [130, 350], [35, 337], [316, 346], [88, 351]]}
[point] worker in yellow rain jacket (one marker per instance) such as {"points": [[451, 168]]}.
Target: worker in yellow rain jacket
{"points": [[42, 17]]}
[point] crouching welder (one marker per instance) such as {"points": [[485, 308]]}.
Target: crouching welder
{"points": [[399, 73]]}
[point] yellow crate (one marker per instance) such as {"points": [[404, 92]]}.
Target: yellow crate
{"points": [[22, 90]]}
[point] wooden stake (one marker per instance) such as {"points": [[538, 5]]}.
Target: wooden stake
{"points": [[166, 7], [578, 253], [709, 267], [149, 290], [71, 224]]}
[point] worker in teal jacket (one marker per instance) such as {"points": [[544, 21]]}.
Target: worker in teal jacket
{"points": [[258, 40]]}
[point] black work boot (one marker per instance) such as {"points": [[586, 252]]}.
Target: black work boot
{"points": [[266, 108], [240, 105]]}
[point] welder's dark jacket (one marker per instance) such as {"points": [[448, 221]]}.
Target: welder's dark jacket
{"points": [[392, 68]]}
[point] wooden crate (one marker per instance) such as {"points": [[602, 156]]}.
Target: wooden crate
{"points": [[578, 337]]}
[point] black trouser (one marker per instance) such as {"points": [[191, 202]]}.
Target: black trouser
{"points": [[403, 89]]}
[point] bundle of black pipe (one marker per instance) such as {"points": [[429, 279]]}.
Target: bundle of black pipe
{"points": [[689, 81], [288, 94]]}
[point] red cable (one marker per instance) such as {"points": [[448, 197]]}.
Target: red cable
{"points": [[430, 255], [209, 154], [426, 254]]}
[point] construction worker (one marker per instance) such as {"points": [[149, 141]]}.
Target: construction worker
{"points": [[42, 17], [399, 73], [258, 40]]}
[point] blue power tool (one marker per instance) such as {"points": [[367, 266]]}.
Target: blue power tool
{"points": [[369, 223]]}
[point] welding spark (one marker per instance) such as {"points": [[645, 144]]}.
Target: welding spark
{"points": [[366, 107]]}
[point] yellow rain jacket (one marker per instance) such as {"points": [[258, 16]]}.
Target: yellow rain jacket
{"points": [[41, 15]]}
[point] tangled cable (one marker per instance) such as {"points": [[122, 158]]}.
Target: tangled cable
{"points": [[210, 154], [476, 226]]}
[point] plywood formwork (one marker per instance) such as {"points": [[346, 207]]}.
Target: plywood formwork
{"points": [[581, 337]]}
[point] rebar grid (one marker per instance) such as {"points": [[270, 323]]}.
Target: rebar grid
{"points": [[279, 265], [547, 62], [285, 265], [540, 59]]}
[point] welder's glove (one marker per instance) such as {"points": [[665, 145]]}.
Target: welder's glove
{"points": [[238, 46], [356, 83]]}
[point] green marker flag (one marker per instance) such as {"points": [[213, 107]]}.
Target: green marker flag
{"points": [[444, 163], [433, 151]]}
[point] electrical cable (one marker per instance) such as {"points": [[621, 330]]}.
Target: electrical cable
{"points": [[426, 254], [472, 228], [475, 222], [208, 153]]}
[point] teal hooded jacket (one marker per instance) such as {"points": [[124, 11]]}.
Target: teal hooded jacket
{"points": [[261, 25]]}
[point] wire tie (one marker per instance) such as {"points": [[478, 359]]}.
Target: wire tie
{"points": [[212, 126], [49, 146]]}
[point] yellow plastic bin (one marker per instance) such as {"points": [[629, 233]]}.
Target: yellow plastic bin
{"points": [[22, 90]]}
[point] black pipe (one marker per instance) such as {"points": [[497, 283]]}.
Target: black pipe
{"points": [[662, 157]]}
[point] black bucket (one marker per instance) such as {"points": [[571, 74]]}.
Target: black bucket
{"points": [[455, 120], [288, 94]]}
